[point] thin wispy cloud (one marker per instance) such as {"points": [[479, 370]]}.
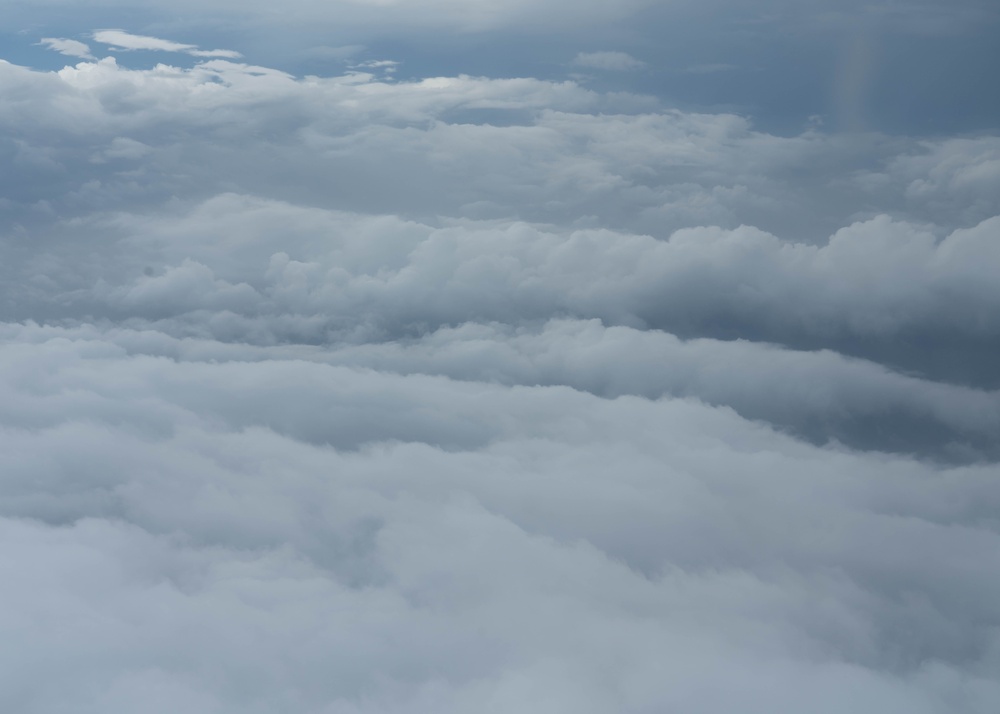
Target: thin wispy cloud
{"points": [[70, 48], [614, 61], [121, 40], [386, 67]]}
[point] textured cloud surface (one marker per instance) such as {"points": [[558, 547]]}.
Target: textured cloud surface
{"points": [[343, 394]]}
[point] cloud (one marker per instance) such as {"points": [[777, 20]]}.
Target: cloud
{"points": [[70, 48], [957, 175], [458, 393], [452, 15], [121, 40], [384, 149], [401, 275], [386, 67], [186, 505], [616, 61]]}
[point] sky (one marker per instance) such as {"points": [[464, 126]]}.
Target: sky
{"points": [[384, 356]]}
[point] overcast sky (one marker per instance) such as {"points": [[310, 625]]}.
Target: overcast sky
{"points": [[463, 356]]}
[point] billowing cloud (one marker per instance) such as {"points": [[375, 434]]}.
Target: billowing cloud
{"points": [[514, 538], [458, 393]]}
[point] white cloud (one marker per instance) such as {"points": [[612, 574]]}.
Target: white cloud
{"points": [[331, 394], [369, 68], [121, 40], [516, 538], [70, 48], [127, 41], [617, 61], [388, 65]]}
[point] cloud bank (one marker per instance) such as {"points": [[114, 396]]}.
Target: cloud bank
{"points": [[353, 394]]}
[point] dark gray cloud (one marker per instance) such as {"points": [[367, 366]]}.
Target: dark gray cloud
{"points": [[354, 394]]}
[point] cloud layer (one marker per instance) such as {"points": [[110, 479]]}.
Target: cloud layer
{"points": [[338, 394]]}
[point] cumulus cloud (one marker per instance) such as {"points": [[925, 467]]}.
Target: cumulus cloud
{"points": [[607, 60], [456, 393]]}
